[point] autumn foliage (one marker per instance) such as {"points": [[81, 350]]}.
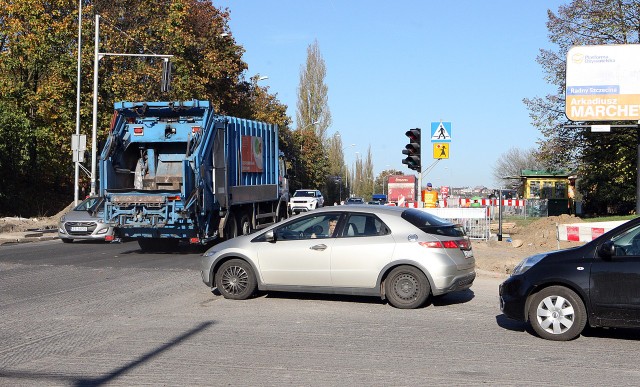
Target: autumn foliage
{"points": [[38, 67]]}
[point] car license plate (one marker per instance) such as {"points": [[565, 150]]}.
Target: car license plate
{"points": [[468, 253], [78, 228]]}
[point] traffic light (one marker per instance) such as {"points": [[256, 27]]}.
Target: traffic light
{"points": [[412, 150]]}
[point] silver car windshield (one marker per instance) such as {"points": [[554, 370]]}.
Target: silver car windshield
{"points": [[86, 204]]}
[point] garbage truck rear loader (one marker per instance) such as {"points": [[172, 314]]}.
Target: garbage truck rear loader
{"points": [[176, 171]]}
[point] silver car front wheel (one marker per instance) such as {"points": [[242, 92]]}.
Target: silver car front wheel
{"points": [[235, 280]]}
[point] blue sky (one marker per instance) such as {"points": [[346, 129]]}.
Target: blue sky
{"points": [[393, 66]]}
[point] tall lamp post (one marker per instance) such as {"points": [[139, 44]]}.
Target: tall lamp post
{"points": [[97, 56], [383, 179], [346, 175], [354, 170], [301, 130]]}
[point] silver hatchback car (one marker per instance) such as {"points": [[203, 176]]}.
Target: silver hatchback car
{"points": [[403, 255], [85, 222]]}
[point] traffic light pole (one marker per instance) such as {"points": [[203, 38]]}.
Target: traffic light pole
{"points": [[420, 189], [413, 160]]}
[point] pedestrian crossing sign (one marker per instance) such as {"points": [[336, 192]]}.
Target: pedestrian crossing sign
{"points": [[441, 131], [441, 150]]}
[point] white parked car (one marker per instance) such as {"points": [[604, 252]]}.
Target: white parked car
{"points": [[305, 200]]}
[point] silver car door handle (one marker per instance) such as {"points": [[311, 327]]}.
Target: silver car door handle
{"points": [[321, 247]]}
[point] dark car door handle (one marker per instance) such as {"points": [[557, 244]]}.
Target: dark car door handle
{"points": [[320, 247]]}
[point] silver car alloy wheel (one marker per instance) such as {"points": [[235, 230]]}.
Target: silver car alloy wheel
{"points": [[555, 314], [235, 280], [406, 286]]}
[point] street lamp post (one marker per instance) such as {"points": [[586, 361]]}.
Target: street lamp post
{"points": [[354, 171], [346, 175], [97, 56], [383, 179], [301, 130]]}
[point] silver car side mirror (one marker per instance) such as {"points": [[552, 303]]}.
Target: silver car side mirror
{"points": [[269, 236]]}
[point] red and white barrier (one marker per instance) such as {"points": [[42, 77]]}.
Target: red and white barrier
{"points": [[585, 232], [464, 202], [513, 202]]}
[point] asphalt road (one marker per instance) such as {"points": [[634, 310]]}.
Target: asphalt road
{"points": [[88, 314]]}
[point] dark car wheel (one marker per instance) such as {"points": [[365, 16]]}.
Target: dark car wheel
{"points": [[245, 224], [231, 227], [557, 313], [235, 280], [407, 287]]}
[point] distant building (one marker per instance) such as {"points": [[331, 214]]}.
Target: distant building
{"points": [[555, 187]]}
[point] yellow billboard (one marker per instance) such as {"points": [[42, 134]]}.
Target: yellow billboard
{"points": [[603, 83]]}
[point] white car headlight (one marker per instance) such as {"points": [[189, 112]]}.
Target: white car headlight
{"points": [[527, 263]]}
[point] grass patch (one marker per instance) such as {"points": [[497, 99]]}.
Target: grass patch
{"points": [[610, 218]]}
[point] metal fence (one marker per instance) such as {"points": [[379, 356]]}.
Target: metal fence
{"points": [[476, 221]]}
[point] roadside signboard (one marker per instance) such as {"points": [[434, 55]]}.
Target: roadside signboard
{"points": [[441, 150], [441, 131], [603, 83]]}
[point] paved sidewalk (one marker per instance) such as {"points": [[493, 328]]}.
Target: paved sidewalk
{"points": [[27, 236]]}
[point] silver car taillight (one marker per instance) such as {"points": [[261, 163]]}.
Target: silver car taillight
{"points": [[462, 244]]}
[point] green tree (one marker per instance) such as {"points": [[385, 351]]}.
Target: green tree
{"points": [[603, 162], [336, 189], [510, 164], [37, 75], [382, 180], [363, 179], [38, 81], [311, 168], [313, 118]]}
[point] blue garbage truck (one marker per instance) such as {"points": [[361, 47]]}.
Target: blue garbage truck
{"points": [[176, 171]]}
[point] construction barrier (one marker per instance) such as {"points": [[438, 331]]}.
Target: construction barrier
{"points": [[585, 232], [475, 221], [465, 202]]}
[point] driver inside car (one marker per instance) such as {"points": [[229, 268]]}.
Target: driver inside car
{"points": [[332, 227]]}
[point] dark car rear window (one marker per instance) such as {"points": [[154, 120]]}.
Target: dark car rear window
{"points": [[432, 224]]}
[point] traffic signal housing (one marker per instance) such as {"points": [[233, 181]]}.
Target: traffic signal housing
{"points": [[412, 150]]}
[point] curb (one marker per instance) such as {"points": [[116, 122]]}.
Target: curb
{"points": [[25, 237]]}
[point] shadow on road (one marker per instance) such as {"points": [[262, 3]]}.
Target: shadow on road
{"points": [[182, 249], [444, 300], [612, 333], [318, 296], [512, 325], [453, 298], [47, 378], [604, 333]]}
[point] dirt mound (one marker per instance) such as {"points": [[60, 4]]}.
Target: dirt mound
{"points": [[537, 237], [17, 224], [542, 232]]}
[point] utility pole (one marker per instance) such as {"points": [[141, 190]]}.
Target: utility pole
{"points": [[96, 58]]}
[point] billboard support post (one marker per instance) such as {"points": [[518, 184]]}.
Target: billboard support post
{"points": [[602, 85], [638, 169]]}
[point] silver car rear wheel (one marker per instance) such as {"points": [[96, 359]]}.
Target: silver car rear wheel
{"points": [[407, 287], [235, 280]]}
